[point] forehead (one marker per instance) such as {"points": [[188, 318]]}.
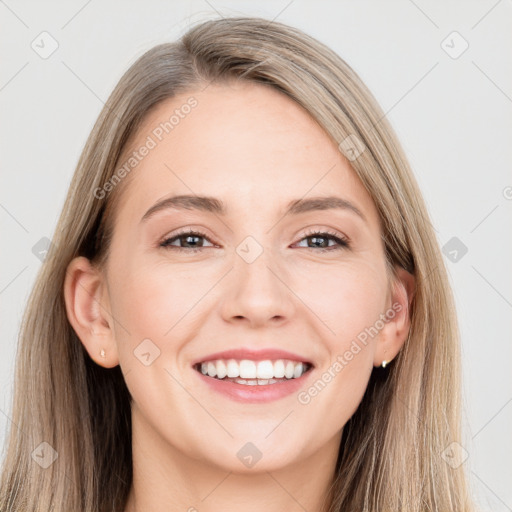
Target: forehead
{"points": [[247, 144]]}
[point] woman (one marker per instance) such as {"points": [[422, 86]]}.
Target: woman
{"points": [[244, 304]]}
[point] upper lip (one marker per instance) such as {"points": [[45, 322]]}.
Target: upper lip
{"points": [[253, 355]]}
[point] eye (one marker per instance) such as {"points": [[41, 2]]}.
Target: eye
{"points": [[192, 242], [189, 237], [322, 237]]}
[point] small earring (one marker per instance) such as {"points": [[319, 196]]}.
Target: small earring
{"points": [[384, 363], [102, 353]]}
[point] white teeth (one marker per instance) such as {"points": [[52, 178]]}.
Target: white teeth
{"points": [[251, 372], [221, 369], [279, 369], [265, 370], [247, 369], [255, 382], [297, 372], [288, 370], [212, 369], [233, 369]]}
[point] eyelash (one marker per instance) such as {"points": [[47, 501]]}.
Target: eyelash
{"points": [[342, 242]]}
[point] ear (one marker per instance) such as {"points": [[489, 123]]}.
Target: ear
{"points": [[88, 311], [393, 335]]}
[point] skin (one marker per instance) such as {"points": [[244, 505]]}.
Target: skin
{"points": [[256, 150]]}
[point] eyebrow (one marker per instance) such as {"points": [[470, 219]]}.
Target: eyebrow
{"points": [[216, 206]]}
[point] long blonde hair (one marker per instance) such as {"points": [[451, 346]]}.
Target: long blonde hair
{"points": [[390, 456]]}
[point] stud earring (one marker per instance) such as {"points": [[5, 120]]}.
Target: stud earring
{"points": [[384, 363], [102, 353]]}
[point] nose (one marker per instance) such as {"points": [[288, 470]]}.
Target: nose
{"points": [[258, 294]]}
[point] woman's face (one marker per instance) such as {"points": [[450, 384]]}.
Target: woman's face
{"points": [[255, 279]]}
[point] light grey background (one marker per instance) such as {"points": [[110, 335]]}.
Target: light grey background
{"points": [[452, 115]]}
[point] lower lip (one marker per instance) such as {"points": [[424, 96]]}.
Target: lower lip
{"points": [[256, 393]]}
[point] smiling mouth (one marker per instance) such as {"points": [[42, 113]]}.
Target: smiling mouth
{"points": [[253, 373]]}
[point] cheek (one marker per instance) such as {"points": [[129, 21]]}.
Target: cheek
{"points": [[155, 302], [159, 301], [347, 296]]}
